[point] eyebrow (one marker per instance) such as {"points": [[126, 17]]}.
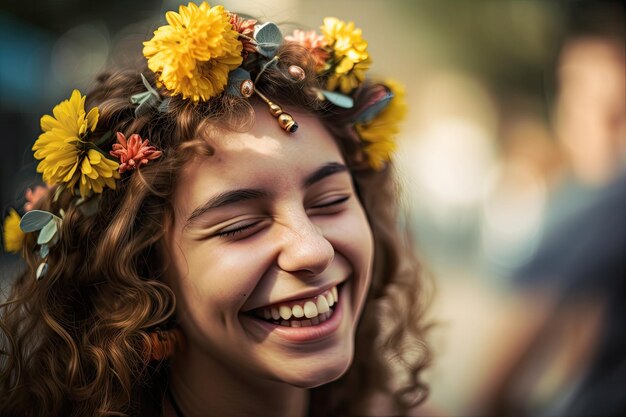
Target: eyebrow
{"points": [[236, 196], [323, 172], [227, 198]]}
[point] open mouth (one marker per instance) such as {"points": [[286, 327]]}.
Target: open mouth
{"points": [[301, 313]]}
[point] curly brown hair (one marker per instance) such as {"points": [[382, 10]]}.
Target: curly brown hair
{"points": [[74, 343]]}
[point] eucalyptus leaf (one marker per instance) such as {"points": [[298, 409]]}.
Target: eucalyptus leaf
{"points": [[379, 104], [268, 38], [44, 250], [143, 108], [163, 106], [146, 103], [146, 84], [235, 78], [268, 49], [48, 232], [35, 220], [41, 270], [338, 99], [147, 100], [140, 97], [55, 237]]}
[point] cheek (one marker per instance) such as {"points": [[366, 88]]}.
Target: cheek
{"points": [[358, 247], [353, 237], [211, 286], [363, 247], [364, 241], [213, 281]]}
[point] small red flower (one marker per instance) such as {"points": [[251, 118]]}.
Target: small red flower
{"points": [[246, 28], [133, 153]]}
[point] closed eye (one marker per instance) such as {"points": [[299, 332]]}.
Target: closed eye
{"points": [[329, 206], [236, 229], [332, 202]]}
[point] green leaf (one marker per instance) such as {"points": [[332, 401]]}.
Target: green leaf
{"points": [[164, 104], [146, 84], [338, 99], [44, 250], [35, 220], [140, 97], [41, 270], [47, 233], [379, 103], [147, 100], [268, 38]]}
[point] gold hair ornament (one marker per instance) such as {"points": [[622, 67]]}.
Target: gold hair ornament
{"points": [[285, 120]]}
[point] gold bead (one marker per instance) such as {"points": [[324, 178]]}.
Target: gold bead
{"points": [[246, 88], [296, 72], [287, 123], [275, 109]]}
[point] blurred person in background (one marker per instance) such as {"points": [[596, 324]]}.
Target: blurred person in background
{"points": [[570, 357]]}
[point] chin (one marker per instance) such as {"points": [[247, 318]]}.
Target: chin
{"points": [[315, 376]]}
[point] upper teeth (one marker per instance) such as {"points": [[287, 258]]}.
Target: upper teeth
{"points": [[312, 308]]}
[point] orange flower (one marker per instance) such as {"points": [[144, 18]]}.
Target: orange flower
{"points": [[246, 28], [316, 44], [133, 153]]}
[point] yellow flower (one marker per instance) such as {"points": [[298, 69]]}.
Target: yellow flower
{"points": [[96, 172], [351, 59], [345, 39], [348, 75], [195, 52], [13, 235], [66, 155], [380, 132]]}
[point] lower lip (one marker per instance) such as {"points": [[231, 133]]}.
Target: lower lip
{"points": [[308, 333]]}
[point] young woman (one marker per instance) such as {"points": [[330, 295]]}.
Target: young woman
{"points": [[198, 255]]}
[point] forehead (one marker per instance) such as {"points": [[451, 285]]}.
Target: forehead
{"points": [[264, 156]]}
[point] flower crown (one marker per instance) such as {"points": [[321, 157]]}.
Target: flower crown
{"points": [[201, 53], [206, 51]]}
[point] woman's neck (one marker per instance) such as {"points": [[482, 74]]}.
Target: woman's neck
{"points": [[202, 387]]}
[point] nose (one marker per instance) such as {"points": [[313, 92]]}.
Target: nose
{"points": [[305, 248]]}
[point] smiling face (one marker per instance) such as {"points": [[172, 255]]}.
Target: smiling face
{"points": [[271, 255]]}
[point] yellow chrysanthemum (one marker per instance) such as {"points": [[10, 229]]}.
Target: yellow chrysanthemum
{"points": [[348, 75], [350, 55], [13, 235], [195, 52], [345, 39], [380, 132], [66, 155]]}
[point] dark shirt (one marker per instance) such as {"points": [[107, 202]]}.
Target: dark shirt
{"points": [[586, 254]]}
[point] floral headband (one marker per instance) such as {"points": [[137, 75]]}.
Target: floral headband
{"points": [[201, 53], [206, 51]]}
